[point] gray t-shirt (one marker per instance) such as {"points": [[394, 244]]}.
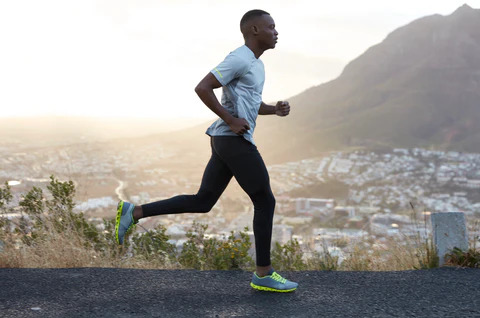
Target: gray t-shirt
{"points": [[242, 76]]}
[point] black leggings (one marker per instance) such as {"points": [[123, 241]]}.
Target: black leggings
{"points": [[231, 156]]}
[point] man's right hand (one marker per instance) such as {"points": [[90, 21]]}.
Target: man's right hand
{"points": [[204, 90], [239, 125]]}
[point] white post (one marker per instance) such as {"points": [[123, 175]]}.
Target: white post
{"points": [[449, 231]]}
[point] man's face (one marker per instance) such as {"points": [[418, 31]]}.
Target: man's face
{"points": [[267, 35]]}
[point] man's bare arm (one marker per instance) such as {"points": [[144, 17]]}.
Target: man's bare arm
{"points": [[282, 108], [266, 109], [204, 90]]}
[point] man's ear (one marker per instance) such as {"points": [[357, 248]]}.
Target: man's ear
{"points": [[254, 29]]}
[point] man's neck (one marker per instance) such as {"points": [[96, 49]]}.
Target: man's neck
{"points": [[254, 48]]}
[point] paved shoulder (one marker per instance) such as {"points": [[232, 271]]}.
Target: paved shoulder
{"points": [[110, 292]]}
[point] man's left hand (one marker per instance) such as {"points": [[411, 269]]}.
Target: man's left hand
{"points": [[282, 108]]}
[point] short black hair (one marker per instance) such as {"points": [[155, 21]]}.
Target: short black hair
{"points": [[250, 15]]}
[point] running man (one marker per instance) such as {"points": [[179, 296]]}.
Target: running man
{"points": [[234, 152]]}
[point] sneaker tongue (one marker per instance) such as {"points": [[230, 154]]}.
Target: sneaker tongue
{"points": [[271, 271]]}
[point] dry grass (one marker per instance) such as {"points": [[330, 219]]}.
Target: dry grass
{"points": [[58, 250], [67, 251], [393, 254], [389, 256]]}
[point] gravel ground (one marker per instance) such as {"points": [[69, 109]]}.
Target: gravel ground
{"points": [[111, 292]]}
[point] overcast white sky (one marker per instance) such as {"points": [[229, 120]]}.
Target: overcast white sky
{"points": [[143, 58]]}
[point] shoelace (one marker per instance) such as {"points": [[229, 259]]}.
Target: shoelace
{"points": [[278, 278]]}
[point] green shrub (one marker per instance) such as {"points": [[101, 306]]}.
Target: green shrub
{"points": [[190, 256], [33, 203], [230, 254], [153, 245], [5, 199], [204, 253], [42, 215], [62, 194], [469, 258], [288, 256]]}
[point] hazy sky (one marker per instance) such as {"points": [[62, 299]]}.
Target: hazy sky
{"points": [[143, 58]]}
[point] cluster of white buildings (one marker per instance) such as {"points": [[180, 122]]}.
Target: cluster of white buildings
{"points": [[433, 180]]}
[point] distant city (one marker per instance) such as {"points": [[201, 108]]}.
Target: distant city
{"points": [[323, 201]]}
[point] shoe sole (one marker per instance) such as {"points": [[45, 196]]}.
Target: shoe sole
{"points": [[117, 220], [272, 289]]}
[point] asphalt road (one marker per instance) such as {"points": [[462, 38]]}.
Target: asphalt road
{"points": [[110, 292]]}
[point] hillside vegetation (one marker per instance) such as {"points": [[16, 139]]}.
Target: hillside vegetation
{"points": [[47, 233]]}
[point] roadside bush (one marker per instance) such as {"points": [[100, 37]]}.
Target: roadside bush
{"points": [[55, 215], [233, 253], [288, 256], [469, 258], [48, 233], [5, 199], [200, 252], [153, 246]]}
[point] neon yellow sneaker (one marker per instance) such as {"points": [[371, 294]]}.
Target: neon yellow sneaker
{"points": [[273, 283], [124, 220]]}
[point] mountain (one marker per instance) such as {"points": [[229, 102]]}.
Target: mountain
{"points": [[420, 87]]}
